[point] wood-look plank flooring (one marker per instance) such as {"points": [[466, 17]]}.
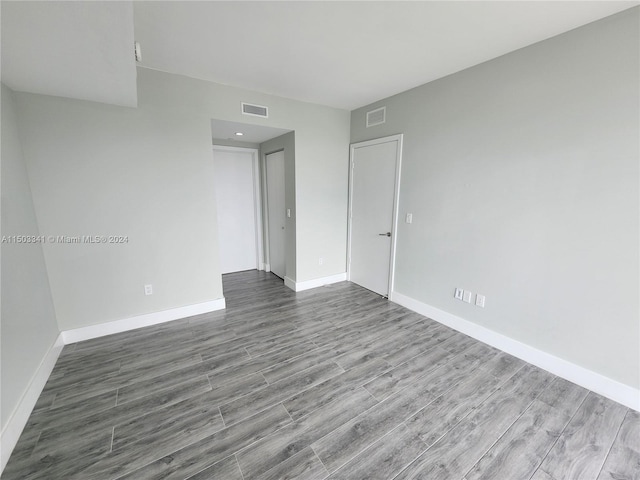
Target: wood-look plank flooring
{"points": [[331, 383]]}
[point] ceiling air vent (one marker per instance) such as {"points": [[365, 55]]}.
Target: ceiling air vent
{"points": [[376, 117], [255, 110]]}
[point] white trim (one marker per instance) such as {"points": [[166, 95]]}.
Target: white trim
{"points": [[316, 282], [257, 196], [586, 378], [145, 320], [290, 283], [396, 201], [20, 415]]}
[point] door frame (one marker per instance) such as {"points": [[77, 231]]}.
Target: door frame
{"points": [[396, 199], [257, 196]]}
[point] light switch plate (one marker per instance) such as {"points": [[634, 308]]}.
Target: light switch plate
{"points": [[466, 297], [459, 293]]}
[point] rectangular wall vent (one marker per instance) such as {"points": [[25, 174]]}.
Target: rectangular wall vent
{"points": [[376, 117], [255, 110]]}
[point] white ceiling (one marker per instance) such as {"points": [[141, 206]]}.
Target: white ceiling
{"points": [[70, 49], [345, 54], [342, 54]]}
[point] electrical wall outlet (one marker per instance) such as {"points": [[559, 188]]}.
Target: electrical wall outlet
{"points": [[466, 297], [459, 293], [148, 289], [480, 300], [320, 261], [409, 218]]}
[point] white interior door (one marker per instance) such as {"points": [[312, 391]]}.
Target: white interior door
{"points": [[235, 182], [276, 212], [375, 173]]}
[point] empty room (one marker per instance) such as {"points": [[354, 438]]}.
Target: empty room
{"points": [[261, 240]]}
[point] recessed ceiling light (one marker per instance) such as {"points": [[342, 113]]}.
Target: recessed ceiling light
{"points": [[239, 134]]}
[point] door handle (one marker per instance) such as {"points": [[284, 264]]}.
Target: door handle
{"points": [[388, 234]]}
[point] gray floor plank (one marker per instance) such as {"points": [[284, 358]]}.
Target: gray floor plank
{"points": [[259, 400], [446, 411], [161, 384], [350, 439], [563, 395], [158, 364], [453, 455], [582, 448], [257, 364], [520, 451], [383, 459], [623, 461], [286, 368], [407, 373], [55, 417], [226, 469], [356, 435], [45, 401], [288, 441], [431, 337], [53, 460], [165, 463], [326, 392], [502, 365], [111, 414], [541, 475], [234, 388], [21, 456], [193, 416], [175, 400], [304, 465]]}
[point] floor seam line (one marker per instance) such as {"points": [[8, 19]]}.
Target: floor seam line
{"points": [[604, 461]]}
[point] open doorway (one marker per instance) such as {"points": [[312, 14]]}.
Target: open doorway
{"points": [[246, 222]]}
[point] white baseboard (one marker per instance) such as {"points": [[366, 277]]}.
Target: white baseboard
{"points": [[117, 326], [316, 282], [586, 378], [290, 283], [18, 419]]}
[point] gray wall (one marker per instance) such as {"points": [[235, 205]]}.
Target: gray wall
{"points": [[28, 326], [286, 143], [142, 173], [147, 173], [522, 177]]}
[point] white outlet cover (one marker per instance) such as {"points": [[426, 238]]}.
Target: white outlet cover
{"points": [[480, 300], [459, 293], [148, 289], [466, 297], [409, 218]]}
